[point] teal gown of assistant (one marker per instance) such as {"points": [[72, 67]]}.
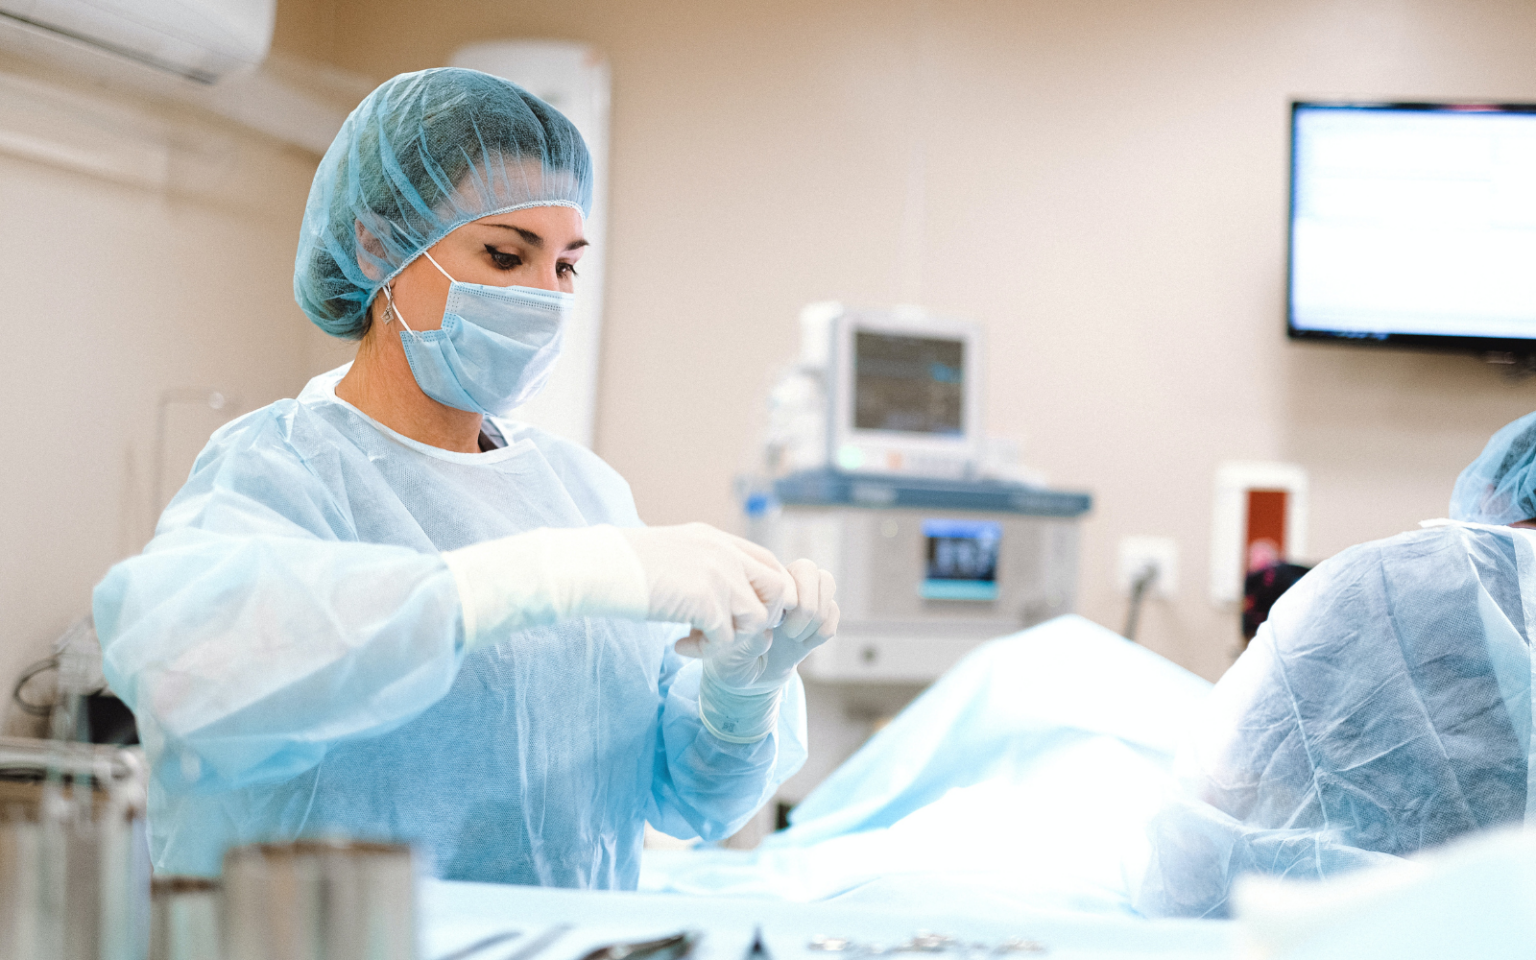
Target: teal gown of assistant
{"points": [[292, 648]]}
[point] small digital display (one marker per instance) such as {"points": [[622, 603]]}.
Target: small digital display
{"points": [[962, 559], [908, 384]]}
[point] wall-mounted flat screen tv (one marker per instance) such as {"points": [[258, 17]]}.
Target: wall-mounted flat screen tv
{"points": [[1414, 224]]}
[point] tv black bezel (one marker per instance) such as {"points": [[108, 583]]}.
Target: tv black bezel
{"points": [[1519, 346]]}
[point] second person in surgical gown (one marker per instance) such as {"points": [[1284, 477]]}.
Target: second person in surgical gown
{"points": [[381, 610], [1384, 707]]}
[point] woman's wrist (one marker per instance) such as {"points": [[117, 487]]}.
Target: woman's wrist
{"points": [[545, 576], [737, 716]]}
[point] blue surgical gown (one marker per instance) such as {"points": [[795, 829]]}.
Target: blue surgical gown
{"points": [[292, 647], [1384, 707]]}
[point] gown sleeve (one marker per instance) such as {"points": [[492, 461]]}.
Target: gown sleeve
{"points": [[254, 630], [706, 787]]}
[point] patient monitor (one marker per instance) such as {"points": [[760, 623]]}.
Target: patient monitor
{"points": [[894, 391], [874, 443], [926, 569], [905, 394]]}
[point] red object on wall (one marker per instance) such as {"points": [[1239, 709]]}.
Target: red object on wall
{"points": [[1264, 540]]}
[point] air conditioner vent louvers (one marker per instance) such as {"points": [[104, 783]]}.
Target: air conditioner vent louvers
{"points": [[201, 40]]}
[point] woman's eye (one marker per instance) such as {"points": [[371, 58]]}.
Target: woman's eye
{"points": [[565, 269], [503, 261]]}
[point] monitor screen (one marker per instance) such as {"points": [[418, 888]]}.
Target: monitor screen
{"points": [[1414, 223], [908, 384], [962, 559]]}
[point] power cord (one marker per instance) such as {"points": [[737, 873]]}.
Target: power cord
{"points": [[1139, 588], [27, 676]]}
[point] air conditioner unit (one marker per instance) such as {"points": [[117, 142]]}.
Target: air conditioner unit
{"points": [[202, 40]]}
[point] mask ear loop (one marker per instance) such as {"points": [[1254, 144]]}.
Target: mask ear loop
{"points": [[391, 312], [438, 266]]}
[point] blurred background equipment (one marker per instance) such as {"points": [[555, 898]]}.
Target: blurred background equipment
{"points": [[879, 391], [184, 921], [1259, 518], [67, 689], [926, 569], [1148, 567], [209, 55], [876, 466], [201, 40], [320, 900], [1262, 588], [74, 859]]}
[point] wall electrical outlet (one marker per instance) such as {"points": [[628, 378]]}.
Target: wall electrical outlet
{"points": [[1137, 553]]}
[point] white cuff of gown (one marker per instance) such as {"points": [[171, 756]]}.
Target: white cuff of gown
{"points": [[545, 576], [735, 716]]}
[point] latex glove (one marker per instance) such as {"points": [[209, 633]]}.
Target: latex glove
{"points": [[694, 574], [742, 681], [813, 620], [718, 584]]}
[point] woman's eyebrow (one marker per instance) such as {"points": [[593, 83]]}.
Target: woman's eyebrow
{"points": [[536, 241], [529, 237]]}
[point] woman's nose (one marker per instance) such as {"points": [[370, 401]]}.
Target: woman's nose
{"points": [[547, 278]]}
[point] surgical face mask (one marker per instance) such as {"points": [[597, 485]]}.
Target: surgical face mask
{"points": [[495, 349]]}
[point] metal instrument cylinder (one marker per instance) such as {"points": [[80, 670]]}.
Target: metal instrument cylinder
{"points": [[320, 900], [184, 919], [74, 860]]}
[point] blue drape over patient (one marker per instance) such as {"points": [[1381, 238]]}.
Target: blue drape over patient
{"points": [[1020, 781], [1384, 707]]}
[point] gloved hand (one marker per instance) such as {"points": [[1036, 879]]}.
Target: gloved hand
{"points": [[716, 583], [742, 680]]}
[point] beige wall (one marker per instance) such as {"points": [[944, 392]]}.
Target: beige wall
{"points": [[1101, 183], [113, 294]]}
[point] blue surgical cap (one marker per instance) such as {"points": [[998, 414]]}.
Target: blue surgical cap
{"points": [[421, 156], [1500, 485]]}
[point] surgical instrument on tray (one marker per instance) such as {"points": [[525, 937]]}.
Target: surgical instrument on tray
{"points": [[758, 950], [484, 942], [675, 947], [924, 942], [536, 946]]}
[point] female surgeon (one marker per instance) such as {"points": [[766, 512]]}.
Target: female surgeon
{"points": [[382, 611]]}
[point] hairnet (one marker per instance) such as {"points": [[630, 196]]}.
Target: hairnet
{"points": [[422, 155], [1500, 485]]}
